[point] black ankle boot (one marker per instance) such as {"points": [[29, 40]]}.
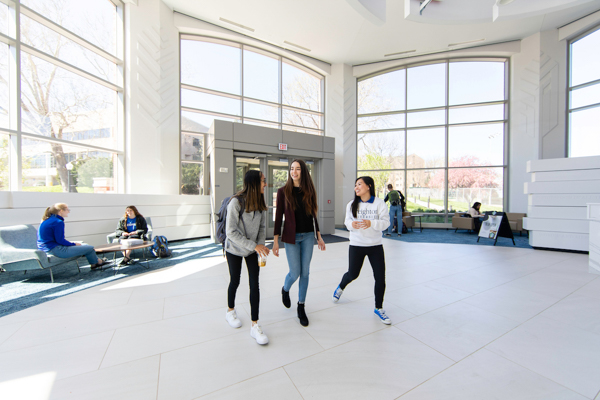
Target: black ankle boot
{"points": [[285, 298], [302, 315]]}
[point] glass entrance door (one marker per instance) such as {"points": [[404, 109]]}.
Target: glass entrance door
{"points": [[277, 175]]}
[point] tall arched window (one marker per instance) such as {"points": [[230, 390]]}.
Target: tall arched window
{"points": [[584, 95], [240, 83], [62, 117], [436, 132]]}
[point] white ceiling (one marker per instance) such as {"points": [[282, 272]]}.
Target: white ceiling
{"points": [[336, 31]]}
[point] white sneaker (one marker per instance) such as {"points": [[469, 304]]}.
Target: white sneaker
{"points": [[233, 320], [257, 333]]}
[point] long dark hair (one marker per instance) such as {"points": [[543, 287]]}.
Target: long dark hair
{"points": [[371, 184], [476, 204], [251, 193], [307, 188], [135, 211]]}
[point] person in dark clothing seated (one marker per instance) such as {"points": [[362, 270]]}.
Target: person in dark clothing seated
{"points": [[51, 237], [132, 226]]}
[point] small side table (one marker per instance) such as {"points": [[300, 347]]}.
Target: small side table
{"points": [[420, 222], [116, 247]]}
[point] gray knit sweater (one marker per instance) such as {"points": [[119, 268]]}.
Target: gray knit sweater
{"points": [[240, 241]]}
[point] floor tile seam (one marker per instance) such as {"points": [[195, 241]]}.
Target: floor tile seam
{"points": [[80, 312], [14, 333], [427, 312], [426, 345], [175, 349], [158, 375], [293, 383], [106, 350], [597, 395], [350, 341], [236, 383], [62, 339], [527, 320], [537, 373]]}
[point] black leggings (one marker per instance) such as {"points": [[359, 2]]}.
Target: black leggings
{"points": [[356, 257], [235, 270]]}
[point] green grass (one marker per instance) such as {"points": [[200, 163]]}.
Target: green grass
{"points": [[462, 206], [54, 189]]}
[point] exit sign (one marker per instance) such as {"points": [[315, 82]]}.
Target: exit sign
{"points": [[283, 146]]}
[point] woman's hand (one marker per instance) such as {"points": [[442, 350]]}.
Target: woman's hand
{"points": [[125, 234], [357, 224], [321, 243], [262, 250], [276, 247], [77, 244], [366, 223]]}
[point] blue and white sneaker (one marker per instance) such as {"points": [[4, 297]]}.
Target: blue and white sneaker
{"points": [[337, 294], [380, 312]]}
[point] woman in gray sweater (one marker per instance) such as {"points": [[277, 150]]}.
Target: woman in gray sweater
{"points": [[246, 234]]}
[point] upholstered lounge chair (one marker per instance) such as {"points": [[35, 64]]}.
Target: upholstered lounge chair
{"points": [[460, 222], [112, 237], [18, 251]]}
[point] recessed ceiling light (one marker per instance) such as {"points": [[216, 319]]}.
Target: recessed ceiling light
{"points": [[467, 42], [400, 52], [236, 24], [296, 45]]}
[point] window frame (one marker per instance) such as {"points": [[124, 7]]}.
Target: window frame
{"points": [[447, 60]]}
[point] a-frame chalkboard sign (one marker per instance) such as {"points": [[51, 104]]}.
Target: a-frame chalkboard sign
{"points": [[494, 226]]}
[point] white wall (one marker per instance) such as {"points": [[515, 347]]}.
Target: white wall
{"points": [[152, 103], [93, 216], [340, 114]]}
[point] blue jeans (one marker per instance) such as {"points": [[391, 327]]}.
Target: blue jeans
{"points": [[74, 251], [299, 256], [395, 211]]}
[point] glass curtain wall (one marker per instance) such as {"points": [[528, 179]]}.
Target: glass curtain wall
{"points": [[436, 132], [234, 82], [61, 84], [584, 95]]}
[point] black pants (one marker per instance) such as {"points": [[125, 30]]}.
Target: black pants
{"points": [[356, 257], [235, 270]]}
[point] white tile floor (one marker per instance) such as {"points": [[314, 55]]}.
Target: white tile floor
{"points": [[470, 322]]}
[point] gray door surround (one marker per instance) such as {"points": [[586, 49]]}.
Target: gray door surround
{"points": [[226, 138]]}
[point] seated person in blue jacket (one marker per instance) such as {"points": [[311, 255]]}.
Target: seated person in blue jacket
{"points": [[132, 226], [51, 237]]}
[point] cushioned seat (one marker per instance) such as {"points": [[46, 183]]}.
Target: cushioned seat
{"points": [[18, 251], [515, 220], [460, 222], [408, 220], [112, 237]]}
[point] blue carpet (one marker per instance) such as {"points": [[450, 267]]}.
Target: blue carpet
{"points": [[19, 291], [460, 237]]}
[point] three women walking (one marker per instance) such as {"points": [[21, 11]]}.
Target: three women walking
{"points": [[366, 217], [297, 200], [246, 234]]}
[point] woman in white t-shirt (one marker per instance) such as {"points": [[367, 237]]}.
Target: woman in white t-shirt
{"points": [[476, 215], [366, 217]]}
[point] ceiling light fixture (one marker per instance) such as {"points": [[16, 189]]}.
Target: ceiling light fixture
{"points": [[236, 24], [296, 45], [503, 2], [399, 53], [468, 42]]}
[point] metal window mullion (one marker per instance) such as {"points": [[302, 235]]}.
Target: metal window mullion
{"points": [[213, 113], [78, 71], [43, 138], [210, 91], [583, 85], [583, 108], [121, 170], [304, 110], [7, 39], [242, 82], [280, 92], [14, 102], [447, 138], [68, 34]]}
